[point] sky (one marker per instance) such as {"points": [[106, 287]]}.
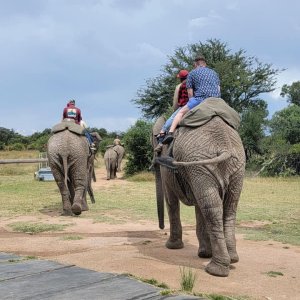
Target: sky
{"points": [[100, 52]]}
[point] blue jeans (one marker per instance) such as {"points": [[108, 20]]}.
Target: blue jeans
{"points": [[89, 137], [193, 102], [169, 122]]}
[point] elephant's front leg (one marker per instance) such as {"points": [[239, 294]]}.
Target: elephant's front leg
{"points": [[173, 207], [204, 250]]}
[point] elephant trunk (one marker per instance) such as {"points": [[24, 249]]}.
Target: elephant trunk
{"points": [[159, 197]]}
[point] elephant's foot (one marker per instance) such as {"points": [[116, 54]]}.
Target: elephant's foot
{"points": [[234, 258], [203, 253], [175, 244], [67, 212], [76, 209], [217, 270]]}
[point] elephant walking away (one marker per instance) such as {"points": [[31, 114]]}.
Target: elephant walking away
{"points": [[71, 162], [111, 162], [121, 152], [206, 171]]}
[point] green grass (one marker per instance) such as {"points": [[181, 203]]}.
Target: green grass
{"points": [[187, 279], [29, 227], [274, 274], [274, 201], [221, 297], [72, 238]]}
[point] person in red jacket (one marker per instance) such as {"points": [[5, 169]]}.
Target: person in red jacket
{"points": [[180, 99], [72, 112]]}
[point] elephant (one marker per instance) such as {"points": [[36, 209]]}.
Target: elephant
{"points": [[72, 165], [111, 162], [203, 167], [121, 152]]}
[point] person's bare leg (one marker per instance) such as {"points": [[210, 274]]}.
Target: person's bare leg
{"points": [[178, 118]]}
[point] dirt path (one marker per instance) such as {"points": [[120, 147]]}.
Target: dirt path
{"points": [[139, 249]]}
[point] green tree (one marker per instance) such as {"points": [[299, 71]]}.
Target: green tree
{"points": [[243, 78], [252, 129], [6, 135], [292, 92], [286, 124], [138, 147]]}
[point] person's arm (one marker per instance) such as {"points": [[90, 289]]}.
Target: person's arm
{"points": [[64, 113], [175, 97], [79, 116], [189, 86], [190, 92]]}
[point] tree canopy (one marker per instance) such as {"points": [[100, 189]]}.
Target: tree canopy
{"points": [[292, 92], [243, 78]]}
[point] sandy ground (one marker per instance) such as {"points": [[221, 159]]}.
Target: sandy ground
{"points": [[139, 249]]}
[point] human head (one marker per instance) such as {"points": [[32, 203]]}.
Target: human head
{"points": [[199, 60], [72, 101], [182, 74]]}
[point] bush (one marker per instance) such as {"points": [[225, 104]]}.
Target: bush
{"points": [[284, 163], [105, 142], [17, 147], [138, 147]]}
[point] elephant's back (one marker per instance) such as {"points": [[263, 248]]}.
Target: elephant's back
{"points": [[208, 141], [67, 143], [110, 154]]}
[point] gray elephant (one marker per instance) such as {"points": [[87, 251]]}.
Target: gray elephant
{"points": [[111, 162], [121, 152], [72, 164], [206, 170]]}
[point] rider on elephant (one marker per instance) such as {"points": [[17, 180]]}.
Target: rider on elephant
{"points": [[71, 112], [179, 101], [202, 83]]}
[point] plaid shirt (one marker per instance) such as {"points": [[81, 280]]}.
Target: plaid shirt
{"points": [[183, 97]]}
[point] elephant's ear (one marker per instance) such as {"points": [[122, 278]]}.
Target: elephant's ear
{"points": [[158, 125]]}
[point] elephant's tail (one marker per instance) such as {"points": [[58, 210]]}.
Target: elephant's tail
{"points": [[65, 165], [223, 156]]}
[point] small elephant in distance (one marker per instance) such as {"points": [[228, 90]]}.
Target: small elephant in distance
{"points": [[111, 162]]}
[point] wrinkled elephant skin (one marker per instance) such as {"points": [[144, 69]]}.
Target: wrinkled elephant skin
{"points": [[209, 176], [111, 163], [121, 152], [70, 159]]}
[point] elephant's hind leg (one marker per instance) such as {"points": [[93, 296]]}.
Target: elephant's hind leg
{"points": [[211, 206], [230, 208]]}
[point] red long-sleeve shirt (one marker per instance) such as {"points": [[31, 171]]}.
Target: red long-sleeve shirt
{"points": [[72, 112]]}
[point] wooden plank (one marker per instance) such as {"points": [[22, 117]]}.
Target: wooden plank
{"points": [[23, 160]]}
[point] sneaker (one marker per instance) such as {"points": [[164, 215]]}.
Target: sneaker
{"points": [[160, 137], [93, 147], [158, 148], [168, 139]]}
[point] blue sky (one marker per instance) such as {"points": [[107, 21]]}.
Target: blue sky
{"points": [[100, 52]]}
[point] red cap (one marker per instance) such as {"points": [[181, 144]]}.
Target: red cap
{"points": [[182, 74]]}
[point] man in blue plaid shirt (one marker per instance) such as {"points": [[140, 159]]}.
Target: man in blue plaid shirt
{"points": [[202, 83]]}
